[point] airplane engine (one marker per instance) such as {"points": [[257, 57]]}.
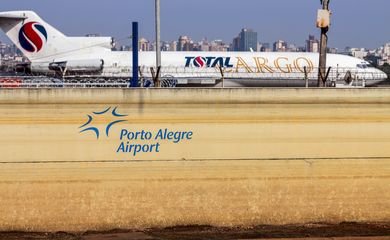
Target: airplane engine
{"points": [[78, 66]]}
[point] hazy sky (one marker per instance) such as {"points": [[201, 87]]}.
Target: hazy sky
{"points": [[356, 23]]}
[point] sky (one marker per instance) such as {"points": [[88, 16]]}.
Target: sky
{"points": [[355, 23]]}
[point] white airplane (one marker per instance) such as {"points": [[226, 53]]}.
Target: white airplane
{"points": [[50, 51]]}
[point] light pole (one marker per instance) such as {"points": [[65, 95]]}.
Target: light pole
{"points": [[158, 43], [324, 25]]}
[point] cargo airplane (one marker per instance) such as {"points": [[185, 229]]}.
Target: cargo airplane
{"points": [[50, 51]]}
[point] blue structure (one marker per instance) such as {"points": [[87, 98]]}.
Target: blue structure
{"points": [[134, 79]]}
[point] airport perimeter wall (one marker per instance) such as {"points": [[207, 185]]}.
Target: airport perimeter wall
{"points": [[100, 159]]}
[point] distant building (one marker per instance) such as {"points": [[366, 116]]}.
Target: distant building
{"points": [[3, 46], [358, 52], [143, 45], [173, 46], [386, 49], [125, 48], [93, 35], [245, 41], [347, 50], [383, 53], [204, 45], [153, 46], [219, 46], [188, 46], [248, 40], [312, 44], [259, 46], [183, 43], [292, 48], [165, 46], [333, 50], [301, 49], [280, 46], [265, 47], [236, 44]]}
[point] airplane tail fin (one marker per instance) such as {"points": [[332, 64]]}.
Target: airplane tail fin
{"points": [[39, 41]]}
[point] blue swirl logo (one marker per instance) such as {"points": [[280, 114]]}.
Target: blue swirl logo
{"points": [[91, 119]]}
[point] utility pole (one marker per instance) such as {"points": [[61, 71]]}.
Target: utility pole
{"points": [[158, 43], [323, 22]]}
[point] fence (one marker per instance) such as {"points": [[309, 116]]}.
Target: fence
{"points": [[170, 76]]}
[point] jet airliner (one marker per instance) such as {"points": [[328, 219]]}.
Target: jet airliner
{"points": [[50, 51]]}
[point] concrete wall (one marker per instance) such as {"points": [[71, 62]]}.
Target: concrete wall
{"points": [[256, 156]]}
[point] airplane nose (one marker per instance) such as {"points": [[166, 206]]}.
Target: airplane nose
{"points": [[382, 75]]}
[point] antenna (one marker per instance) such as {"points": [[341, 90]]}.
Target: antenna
{"points": [[158, 42]]}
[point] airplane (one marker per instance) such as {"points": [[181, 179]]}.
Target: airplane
{"points": [[51, 52]]}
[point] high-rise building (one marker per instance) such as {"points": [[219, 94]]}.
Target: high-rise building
{"points": [[248, 40], [312, 44], [245, 41]]}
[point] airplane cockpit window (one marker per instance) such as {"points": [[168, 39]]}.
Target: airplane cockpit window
{"points": [[364, 65]]}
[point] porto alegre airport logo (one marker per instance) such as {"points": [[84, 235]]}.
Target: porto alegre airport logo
{"points": [[89, 125], [132, 140], [32, 37]]}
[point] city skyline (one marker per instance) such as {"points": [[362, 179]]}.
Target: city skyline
{"points": [[186, 43], [218, 19]]}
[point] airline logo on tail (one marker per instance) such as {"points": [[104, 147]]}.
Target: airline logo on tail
{"points": [[32, 37]]}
